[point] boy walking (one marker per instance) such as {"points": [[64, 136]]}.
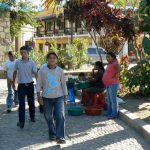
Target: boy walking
{"points": [[25, 68], [51, 81], [12, 95]]}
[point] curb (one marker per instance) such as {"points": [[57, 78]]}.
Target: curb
{"points": [[135, 122]]}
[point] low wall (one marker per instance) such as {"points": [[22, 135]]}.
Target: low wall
{"points": [[72, 73]]}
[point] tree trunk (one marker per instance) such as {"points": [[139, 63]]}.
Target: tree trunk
{"points": [[71, 40]]}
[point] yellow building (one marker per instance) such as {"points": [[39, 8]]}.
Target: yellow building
{"points": [[55, 27]]}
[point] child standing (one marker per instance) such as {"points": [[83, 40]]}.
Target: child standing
{"points": [[51, 81]]}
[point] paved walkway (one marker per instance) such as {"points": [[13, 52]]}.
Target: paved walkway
{"points": [[83, 133]]}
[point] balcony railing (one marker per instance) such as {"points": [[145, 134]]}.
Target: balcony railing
{"points": [[58, 32]]}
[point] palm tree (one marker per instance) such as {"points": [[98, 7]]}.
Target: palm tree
{"points": [[55, 3], [51, 3]]}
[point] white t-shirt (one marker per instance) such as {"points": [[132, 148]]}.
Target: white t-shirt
{"points": [[10, 68]]}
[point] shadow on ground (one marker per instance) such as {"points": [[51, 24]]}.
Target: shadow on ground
{"points": [[139, 106], [84, 133]]}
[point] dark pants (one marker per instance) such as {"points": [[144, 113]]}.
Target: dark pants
{"points": [[23, 91], [55, 116]]}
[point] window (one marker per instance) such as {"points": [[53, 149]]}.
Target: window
{"points": [[64, 45], [58, 45], [41, 47], [60, 24], [41, 26], [79, 24], [49, 25]]}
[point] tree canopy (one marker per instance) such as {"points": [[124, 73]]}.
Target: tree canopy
{"points": [[21, 13]]}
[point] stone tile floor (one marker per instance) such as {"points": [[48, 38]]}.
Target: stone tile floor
{"points": [[83, 133]]}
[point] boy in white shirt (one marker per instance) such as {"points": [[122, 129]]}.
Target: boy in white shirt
{"points": [[12, 95]]}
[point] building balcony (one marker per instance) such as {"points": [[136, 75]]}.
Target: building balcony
{"points": [[60, 32]]}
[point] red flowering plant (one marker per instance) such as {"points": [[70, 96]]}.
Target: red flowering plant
{"points": [[99, 16], [109, 27]]}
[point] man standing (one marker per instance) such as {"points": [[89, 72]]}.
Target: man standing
{"points": [[10, 65], [25, 68]]}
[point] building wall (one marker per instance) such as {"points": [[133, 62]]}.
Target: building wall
{"points": [[61, 41], [26, 35], [45, 34], [5, 38]]}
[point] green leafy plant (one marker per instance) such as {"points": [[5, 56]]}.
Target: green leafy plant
{"points": [[73, 56], [38, 56], [21, 13], [146, 45], [137, 79]]}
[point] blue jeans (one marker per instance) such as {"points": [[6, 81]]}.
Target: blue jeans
{"points": [[12, 96], [23, 91], [112, 104], [54, 113]]}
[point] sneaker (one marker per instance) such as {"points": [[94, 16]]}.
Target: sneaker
{"points": [[20, 124], [8, 110], [32, 119], [61, 141]]}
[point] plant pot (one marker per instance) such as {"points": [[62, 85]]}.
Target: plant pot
{"points": [[75, 110], [93, 110]]}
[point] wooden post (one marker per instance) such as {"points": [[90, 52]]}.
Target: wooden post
{"points": [[45, 32], [64, 25], [54, 26], [71, 40]]}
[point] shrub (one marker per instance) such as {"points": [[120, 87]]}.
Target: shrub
{"points": [[137, 79]]}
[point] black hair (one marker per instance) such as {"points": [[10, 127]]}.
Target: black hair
{"points": [[81, 74], [100, 65], [26, 48], [10, 53], [51, 53], [112, 54]]}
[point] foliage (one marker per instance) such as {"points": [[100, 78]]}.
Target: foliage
{"points": [[38, 56], [73, 56], [145, 24], [102, 20], [111, 24], [146, 45], [51, 3], [26, 15], [126, 3], [144, 15], [124, 68], [21, 13], [137, 79]]}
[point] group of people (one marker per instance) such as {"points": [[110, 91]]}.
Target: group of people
{"points": [[104, 79], [52, 90], [50, 86]]}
